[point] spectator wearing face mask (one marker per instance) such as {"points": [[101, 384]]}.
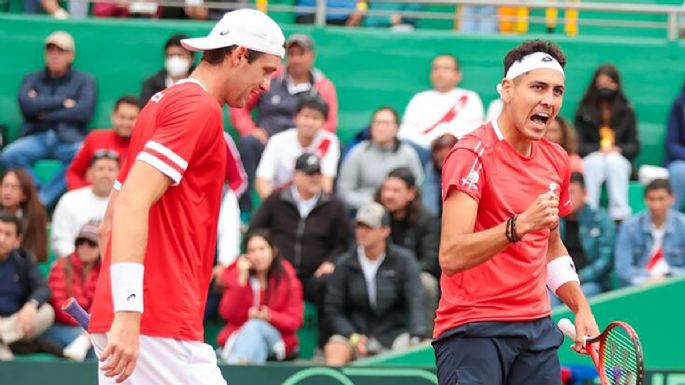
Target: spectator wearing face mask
{"points": [[178, 63]]}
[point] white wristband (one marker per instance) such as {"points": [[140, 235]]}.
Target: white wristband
{"points": [[127, 286], [559, 271]]}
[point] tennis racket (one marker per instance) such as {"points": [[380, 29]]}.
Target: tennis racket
{"points": [[616, 353], [71, 307]]}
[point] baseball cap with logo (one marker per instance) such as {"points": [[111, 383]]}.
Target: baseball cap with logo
{"points": [[372, 214], [247, 28], [61, 39], [308, 163]]}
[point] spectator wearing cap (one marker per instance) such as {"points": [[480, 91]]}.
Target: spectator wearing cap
{"points": [[445, 108], [367, 164], [78, 207], [431, 189], [275, 108], [116, 139], [415, 228], [374, 298], [57, 104], [74, 276], [178, 63], [24, 309], [309, 226], [276, 166]]}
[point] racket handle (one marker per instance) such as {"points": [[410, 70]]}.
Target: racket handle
{"points": [[567, 327], [72, 307]]}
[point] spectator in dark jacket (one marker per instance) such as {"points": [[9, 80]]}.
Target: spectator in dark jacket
{"points": [[178, 64], [24, 311], [57, 104], [74, 276], [431, 188], [607, 136], [413, 227], [309, 227], [675, 149], [374, 299], [262, 305]]}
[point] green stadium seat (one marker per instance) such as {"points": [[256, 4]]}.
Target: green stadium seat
{"points": [[45, 169], [309, 332]]}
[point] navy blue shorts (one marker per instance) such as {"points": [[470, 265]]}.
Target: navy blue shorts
{"points": [[500, 353]]}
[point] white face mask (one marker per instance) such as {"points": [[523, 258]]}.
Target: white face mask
{"points": [[176, 65]]}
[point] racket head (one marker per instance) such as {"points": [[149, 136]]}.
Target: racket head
{"points": [[620, 359]]}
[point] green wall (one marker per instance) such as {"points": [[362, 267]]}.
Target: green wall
{"points": [[369, 67], [656, 312]]}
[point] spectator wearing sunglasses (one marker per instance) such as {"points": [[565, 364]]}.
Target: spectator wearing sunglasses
{"points": [[117, 139], [75, 276], [79, 206]]}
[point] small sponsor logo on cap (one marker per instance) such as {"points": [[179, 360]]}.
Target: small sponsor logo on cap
{"points": [[225, 32]]}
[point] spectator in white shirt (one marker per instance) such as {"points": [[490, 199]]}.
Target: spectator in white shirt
{"points": [[78, 207], [445, 109], [277, 166]]}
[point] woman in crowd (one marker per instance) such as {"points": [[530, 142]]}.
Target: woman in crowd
{"points": [[262, 304], [565, 135]]}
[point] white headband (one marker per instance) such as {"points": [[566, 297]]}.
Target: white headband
{"points": [[534, 61]]}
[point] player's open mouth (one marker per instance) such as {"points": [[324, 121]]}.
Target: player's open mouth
{"points": [[540, 118]]}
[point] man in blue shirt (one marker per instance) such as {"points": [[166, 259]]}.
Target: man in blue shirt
{"points": [[57, 104], [24, 311], [651, 244]]}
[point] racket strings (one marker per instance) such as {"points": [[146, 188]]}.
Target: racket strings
{"points": [[619, 358]]}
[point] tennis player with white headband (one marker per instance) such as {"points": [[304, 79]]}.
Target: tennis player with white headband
{"points": [[146, 323], [504, 188]]}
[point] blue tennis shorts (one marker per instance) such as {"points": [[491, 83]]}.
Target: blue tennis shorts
{"points": [[500, 353]]}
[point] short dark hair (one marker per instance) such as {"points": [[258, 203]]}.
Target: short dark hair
{"points": [[128, 99], [577, 177], [313, 102], [175, 41], [457, 63], [7, 217], [216, 56], [658, 184], [389, 109], [531, 46]]}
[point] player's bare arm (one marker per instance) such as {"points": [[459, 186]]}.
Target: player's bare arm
{"points": [[143, 187], [105, 228], [571, 293], [461, 248]]}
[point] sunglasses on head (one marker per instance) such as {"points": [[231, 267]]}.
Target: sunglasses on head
{"points": [[87, 242], [109, 154]]}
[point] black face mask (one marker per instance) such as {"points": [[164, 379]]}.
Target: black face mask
{"points": [[606, 93]]}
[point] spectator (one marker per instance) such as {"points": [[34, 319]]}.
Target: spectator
{"points": [[367, 164], [115, 9], [116, 140], [478, 19], [431, 189], [650, 244], [78, 207], [675, 148], [589, 236], [74, 276], [309, 227], [19, 197], [607, 133], [394, 21], [178, 63], [276, 107], [57, 104], [336, 17], [262, 305], [276, 166], [24, 311], [51, 7], [413, 227], [444, 109], [374, 299], [562, 133]]}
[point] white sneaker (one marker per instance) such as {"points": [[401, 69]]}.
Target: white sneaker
{"points": [[5, 352], [77, 350]]}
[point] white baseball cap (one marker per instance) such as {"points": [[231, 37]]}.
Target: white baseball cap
{"points": [[247, 28]]}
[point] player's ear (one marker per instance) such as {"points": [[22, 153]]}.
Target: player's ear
{"points": [[237, 55], [507, 90]]}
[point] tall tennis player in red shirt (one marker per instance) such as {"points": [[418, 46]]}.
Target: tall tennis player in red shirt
{"points": [[147, 313], [504, 188]]}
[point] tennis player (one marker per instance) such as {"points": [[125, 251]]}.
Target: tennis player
{"points": [[504, 188], [155, 276]]}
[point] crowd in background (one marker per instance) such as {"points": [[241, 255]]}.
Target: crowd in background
{"points": [[352, 228]]}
